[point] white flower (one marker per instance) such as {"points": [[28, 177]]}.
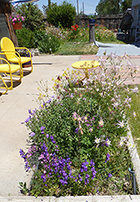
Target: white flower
{"points": [[134, 114], [121, 143], [101, 123], [123, 139], [120, 124], [97, 140], [135, 90], [130, 145], [116, 104], [108, 142], [85, 82]]}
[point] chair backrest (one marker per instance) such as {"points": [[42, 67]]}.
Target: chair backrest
{"points": [[7, 46]]}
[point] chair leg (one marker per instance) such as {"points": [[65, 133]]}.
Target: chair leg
{"points": [[31, 66], [6, 87]]}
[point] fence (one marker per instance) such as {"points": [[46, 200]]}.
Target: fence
{"points": [[112, 22]]}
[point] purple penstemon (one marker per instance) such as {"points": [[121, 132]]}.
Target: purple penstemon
{"points": [[107, 157], [32, 134]]}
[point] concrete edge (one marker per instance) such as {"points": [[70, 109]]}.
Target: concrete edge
{"points": [[134, 157], [119, 198]]}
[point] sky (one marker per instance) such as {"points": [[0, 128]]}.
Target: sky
{"points": [[88, 5]]}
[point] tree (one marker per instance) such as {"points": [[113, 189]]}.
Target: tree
{"points": [[33, 16], [108, 7], [62, 15], [126, 4]]}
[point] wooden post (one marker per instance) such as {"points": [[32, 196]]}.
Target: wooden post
{"points": [[11, 30], [91, 30]]}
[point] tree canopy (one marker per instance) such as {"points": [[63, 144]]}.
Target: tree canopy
{"points": [[60, 15], [112, 6]]}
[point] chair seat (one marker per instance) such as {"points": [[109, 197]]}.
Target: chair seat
{"points": [[23, 60], [5, 68]]}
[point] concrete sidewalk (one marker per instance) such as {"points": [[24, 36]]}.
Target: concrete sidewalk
{"points": [[14, 109]]}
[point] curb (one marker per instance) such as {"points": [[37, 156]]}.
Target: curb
{"points": [[119, 198], [135, 158]]}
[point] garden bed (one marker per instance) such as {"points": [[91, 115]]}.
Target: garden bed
{"points": [[78, 138]]}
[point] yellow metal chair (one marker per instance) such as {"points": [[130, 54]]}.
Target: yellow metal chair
{"points": [[12, 72], [7, 47]]}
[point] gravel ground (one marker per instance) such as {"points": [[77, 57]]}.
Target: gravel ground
{"points": [[118, 49]]}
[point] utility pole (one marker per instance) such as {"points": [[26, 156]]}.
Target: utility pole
{"points": [[83, 8], [77, 7]]}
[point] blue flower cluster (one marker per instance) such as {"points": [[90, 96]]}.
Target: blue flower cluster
{"points": [[61, 168], [24, 156]]}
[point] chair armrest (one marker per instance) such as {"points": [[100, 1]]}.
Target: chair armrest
{"points": [[25, 49]]}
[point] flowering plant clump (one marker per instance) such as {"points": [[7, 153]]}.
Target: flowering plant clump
{"points": [[104, 34], [78, 137], [74, 28], [74, 32], [16, 18]]}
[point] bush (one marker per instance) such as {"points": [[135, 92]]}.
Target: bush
{"points": [[62, 15], [33, 16], [78, 138], [46, 43], [25, 38]]}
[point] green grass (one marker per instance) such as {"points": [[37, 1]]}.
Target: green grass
{"points": [[134, 123], [77, 48], [82, 48]]}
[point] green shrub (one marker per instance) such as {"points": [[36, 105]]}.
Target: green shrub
{"points": [[62, 15], [46, 43], [25, 38]]}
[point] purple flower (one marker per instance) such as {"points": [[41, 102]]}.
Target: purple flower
{"points": [[42, 128], [71, 95], [49, 100], [87, 176], [84, 167], [107, 157], [43, 177], [86, 179], [76, 130], [80, 178], [30, 112], [41, 156], [109, 175], [32, 134], [52, 138], [92, 163], [28, 119], [47, 135], [63, 182]]}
